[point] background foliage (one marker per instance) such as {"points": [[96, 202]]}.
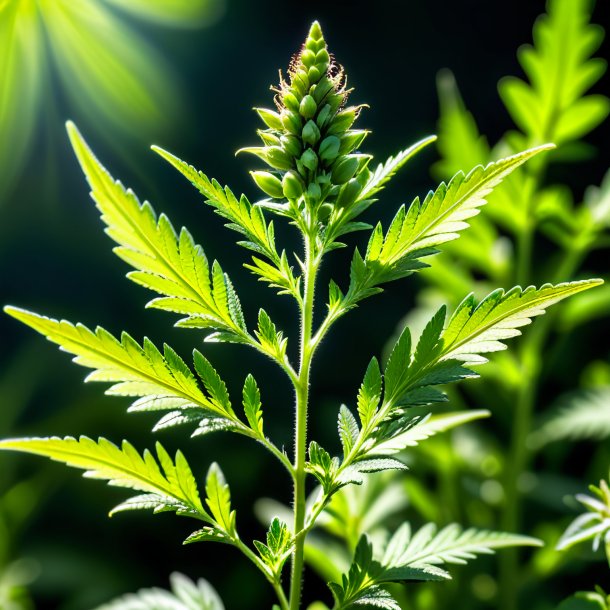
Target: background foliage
{"points": [[54, 258]]}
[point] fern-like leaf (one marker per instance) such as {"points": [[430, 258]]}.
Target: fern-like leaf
{"points": [[161, 381], [168, 263], [416, 232], [170, 485], [184, 595]]}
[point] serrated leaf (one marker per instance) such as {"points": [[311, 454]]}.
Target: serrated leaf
{"points": [[218, 499], [161, 381], [278, 547], [369, 393], [416, 232], [475, 329], [171, 483], [451, 544], [165, 262], [252, 405], [185, 595], [348, 429]]}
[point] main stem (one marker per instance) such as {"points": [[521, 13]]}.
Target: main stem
{"points": [[302, 400]]}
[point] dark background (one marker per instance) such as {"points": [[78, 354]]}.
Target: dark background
{"points": [[55, 259]]}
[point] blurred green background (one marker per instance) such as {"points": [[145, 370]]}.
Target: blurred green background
{"points": [[137, 77]]}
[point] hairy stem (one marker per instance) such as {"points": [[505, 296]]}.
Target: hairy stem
{"points": [[302, 399]]}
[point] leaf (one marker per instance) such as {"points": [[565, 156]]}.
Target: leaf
{"points": [[476, 329], [278, 547], [252, 405], [168, 263], [584, 414], [271, 340], [171, 484], [552, 105], [369, 393], [218, 499], [451, 544], [246, 219], [348, 429], [185, 595], [385, 171], [415, 233], [588, 600], [162, 381]]}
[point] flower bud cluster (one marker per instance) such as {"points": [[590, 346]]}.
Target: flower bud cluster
{"points": [[309, 143]]}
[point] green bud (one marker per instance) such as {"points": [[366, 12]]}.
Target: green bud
{"points": [[311, 133], [322, 57], [314, 74], [300, 82], [351, 140], [323, 116], [308, 107], [268, 138], [308, 57], [290, 101], [310, 160], [291, 122], [315, 32], [349, 193], [270, 118], [291, 144], [343, 120], [269, 184], [329, 149], [314, 191], [335, 100], [325, 211], [322, 88], [277, 158], [344, 170], [292, 186]]}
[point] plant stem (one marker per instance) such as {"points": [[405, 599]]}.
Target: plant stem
{"points": [[302, 399], [531, 366]]}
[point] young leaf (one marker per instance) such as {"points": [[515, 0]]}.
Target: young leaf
{"points": [[348, 429], [162, 381], [278, 547], [252, 405], [369, 393], [185, 595], [170, 484], [218, 499], [165, 262]]}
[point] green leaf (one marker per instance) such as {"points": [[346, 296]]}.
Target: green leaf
{"points": [[252, 405], [348, 429], [476, 329], [369, 393], [218, 499], [185, 595], [451, 544], [415, 233], [551, 106], [171, 484], [246, 219], [588, 600], [584, 414], [278, 547], [271, 340], [162, 381], [168, 263]]}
